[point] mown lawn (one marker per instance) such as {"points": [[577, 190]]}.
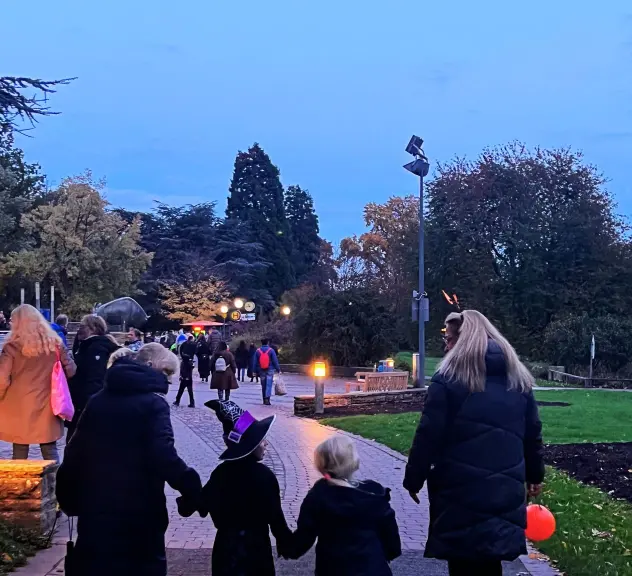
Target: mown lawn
{"points": [[430, 365], [594, 536]]}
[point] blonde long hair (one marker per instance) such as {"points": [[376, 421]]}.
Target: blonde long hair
{"points": [[466, 361], [31, 333]]}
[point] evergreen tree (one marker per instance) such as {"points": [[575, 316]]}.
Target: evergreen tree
{"points": [[303, 223], [256, 198]]}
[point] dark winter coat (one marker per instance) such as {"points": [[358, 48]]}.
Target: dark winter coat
{"points": [[203, 354], [226, 380], [355, 527], [244, 501], [187, 355], [242, 357], [114, 472], [214, 339], [252, 356], [477, 451], [91, 358]]}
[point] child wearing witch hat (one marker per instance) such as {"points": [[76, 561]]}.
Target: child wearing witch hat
{"points": [[243, 497]]}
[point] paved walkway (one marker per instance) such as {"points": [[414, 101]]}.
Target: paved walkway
{"points": [[291, 444]]}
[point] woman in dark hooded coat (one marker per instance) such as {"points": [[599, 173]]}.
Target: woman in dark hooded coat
{"points": [[114, 470], [203, 353], [479, 447]]}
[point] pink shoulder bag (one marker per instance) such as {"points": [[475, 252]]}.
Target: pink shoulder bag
{"points": [[60, 399]]}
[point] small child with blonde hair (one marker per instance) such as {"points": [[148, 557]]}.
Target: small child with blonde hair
{"points": [[352, 520]]}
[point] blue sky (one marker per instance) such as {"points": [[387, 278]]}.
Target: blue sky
{"points": [[168, 92]]}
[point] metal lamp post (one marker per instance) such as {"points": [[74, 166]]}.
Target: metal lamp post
{"points": [[420, 167]]}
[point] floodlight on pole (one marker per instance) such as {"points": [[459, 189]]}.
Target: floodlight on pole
{"points": [[420, 167]]}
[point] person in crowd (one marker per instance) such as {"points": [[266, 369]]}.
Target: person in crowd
{"points": [[118, 354], [242, 545], [26, 364], [4, 325], [214, 339], [149, 338], [171, 339], [242, 359], [114, 470], [479, 447], [252, 354], [91, 357], [224, 368], [187, 355], [266, 363], [60, 326], [203, 353], [134, 339], [353, 521]]}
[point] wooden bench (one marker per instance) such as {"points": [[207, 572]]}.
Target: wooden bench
{"points": [[378, 382]]}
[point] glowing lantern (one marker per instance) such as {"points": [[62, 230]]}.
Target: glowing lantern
{"points": [[286, 310], [320, 370], [540, 523], [390, 363]]}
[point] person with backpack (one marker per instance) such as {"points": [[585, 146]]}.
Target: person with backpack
{"points": [[266, 364], [224, 369]]}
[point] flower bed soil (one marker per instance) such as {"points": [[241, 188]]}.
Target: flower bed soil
{"points": [[606, 466], [386, 408]]}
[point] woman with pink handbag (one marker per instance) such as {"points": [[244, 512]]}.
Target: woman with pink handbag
{"points": [[28, 386]]}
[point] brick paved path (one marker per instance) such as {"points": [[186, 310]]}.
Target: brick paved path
{"points": [[291, 444]]}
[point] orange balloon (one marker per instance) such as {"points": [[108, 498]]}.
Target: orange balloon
{"points": [[540, 523]]}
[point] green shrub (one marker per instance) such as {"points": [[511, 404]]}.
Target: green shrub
{"points": [[567, 342]]}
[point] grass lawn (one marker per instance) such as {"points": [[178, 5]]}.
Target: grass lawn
{"points": [[430, 366], [594, 536], [16, 546]]}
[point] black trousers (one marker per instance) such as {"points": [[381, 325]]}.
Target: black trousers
{"points": [[223, 394], [475, 568], [185, 384]]}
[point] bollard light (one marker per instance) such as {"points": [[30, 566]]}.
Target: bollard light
{"points": [[320, 370], [390, 363]]}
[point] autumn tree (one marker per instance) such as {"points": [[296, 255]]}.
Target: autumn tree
{"points": [[199, 300], [527, 237], [88, 253], [256, 199]]}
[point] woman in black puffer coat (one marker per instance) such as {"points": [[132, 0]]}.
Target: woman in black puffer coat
{"points": [[479, 447], [92, 352]]}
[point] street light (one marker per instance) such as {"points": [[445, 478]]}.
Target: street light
{"points": [[420, 167], [320, 373], [286, 310], [224, 312], [239, 303]]}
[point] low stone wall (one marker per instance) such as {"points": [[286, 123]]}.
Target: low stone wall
{"points": [[413, 397], [27, 494]]}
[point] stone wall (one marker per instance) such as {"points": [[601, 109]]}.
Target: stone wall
{"points": [[397, 399], [27, 493]]}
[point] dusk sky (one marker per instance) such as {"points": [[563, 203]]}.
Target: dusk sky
{"points": [[167, 92]]}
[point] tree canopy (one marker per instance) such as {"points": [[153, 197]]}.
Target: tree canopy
{"points": [[256, 198]]}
